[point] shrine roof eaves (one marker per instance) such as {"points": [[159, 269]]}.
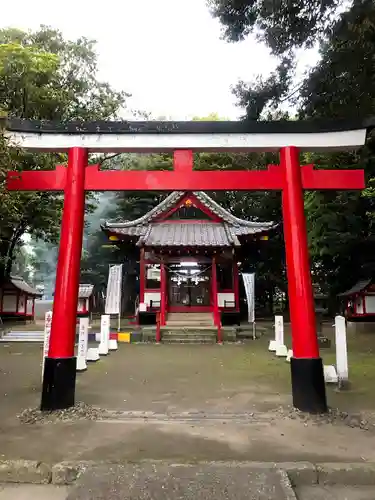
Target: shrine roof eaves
{"points": [[359, 287], [19, 283]]}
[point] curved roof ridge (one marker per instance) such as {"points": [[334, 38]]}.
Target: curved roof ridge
{"points": [[163, 205], [225, 214], [204, 198]]}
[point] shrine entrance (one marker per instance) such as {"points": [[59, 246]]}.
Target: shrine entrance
{"points": [[189, 286], [284, 138]]}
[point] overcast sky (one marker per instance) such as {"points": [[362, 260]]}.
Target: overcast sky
{"points": [[167, 53]]}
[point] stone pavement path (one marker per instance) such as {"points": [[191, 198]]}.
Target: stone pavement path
{"points": [[33, 492], [335, 492], [154, 481], [159, 481]]}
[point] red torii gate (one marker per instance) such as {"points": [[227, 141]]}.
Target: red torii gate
{"points": [[308, 386]]}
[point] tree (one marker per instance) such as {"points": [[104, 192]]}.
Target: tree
{"points": [[341, 225], [44, 77], [282, 25]]}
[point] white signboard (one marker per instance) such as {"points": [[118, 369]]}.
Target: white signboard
{"points": [[82, 344], [113, 298], [104, 335], [47, 334], [249, 282]]}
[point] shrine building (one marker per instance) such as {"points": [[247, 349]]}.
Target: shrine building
{"points": [[189, 250]]}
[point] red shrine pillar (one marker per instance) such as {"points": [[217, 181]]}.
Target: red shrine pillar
{"points": [[308, 385], [214, 298], [163, 289], [60, 366]]}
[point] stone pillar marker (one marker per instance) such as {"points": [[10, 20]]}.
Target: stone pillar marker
{"points": [[82, 344], [104, 335], [341, 352], [281, 349], [47, 333], [273, 343], [277, 345]]}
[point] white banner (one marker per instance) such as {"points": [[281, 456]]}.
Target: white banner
{"points": [[113, 298], [249, 283]]}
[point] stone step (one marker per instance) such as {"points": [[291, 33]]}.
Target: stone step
{"points": [[14, 336], [192, 324], [190, 316], [16, 339], [23, 334], [190, 335], [173, 340], [189, 326]]}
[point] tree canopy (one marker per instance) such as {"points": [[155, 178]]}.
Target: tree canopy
{"points": [[46, 77], [341, 85]]}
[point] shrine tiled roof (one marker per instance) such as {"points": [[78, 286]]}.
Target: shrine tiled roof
{"points": [[357, 288], [188, 234], [21, 285], [150, 232]]}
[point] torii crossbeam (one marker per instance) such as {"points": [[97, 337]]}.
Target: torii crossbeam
{"points": [[183, 138]]}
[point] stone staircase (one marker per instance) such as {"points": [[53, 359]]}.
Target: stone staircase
{"points": [[190, 319], [190, 328], [22, 336]]}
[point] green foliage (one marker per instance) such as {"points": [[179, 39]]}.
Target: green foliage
{"points": [[44, 77], [340, 225], [281, 25]]}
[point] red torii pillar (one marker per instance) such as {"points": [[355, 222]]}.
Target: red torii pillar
{"points": [[308, 386]]}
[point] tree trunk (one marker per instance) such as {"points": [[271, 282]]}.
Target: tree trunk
{"points": [[12, 245]]}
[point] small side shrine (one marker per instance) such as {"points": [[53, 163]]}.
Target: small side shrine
{"points": [[189, 248], [360, 301], [85, 300], [17, 299]]}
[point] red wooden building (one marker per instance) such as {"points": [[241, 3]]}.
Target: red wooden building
{"points": [[17, 299], [360, 301], [189, 248]]}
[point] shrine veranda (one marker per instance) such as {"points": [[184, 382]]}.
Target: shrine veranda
{"points": [[183, 139]]}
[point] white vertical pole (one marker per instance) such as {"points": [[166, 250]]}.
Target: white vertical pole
{"points": [[47, 333], [281, 349], [273, 343], [279, 330], [341, 351], [82, 344], [104, 334]]}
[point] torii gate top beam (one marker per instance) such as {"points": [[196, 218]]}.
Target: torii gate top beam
{"points": [[157, 136]]}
